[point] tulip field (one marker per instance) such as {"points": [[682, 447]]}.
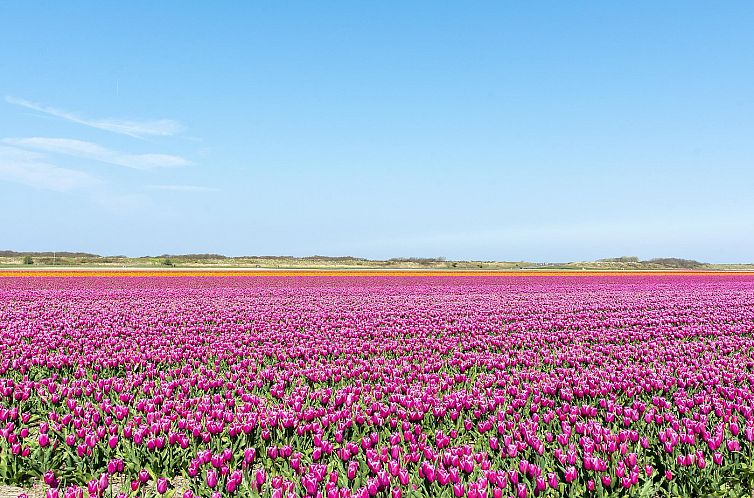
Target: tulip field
{"points": [[378, 386]]}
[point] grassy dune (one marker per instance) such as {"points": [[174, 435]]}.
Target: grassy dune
{"points": [[36, 260]]}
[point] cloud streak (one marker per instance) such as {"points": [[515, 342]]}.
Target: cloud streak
{"points": [[136, 129], [182, 188], [31, 169], [95, 152]]}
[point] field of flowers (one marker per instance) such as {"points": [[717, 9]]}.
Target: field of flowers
{"points": [[378, 386]]}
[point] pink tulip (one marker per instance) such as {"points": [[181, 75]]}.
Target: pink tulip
{"points": [[211, 479], [552, 480]]}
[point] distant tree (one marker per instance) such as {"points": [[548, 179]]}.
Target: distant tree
{"points": [[418, 261], [675, 262], [28, 260], [622, 259], [167, 262]]}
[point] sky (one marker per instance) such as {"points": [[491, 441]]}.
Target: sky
{"points": [[537, 131]]}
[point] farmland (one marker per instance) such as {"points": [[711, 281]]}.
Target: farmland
{"points": [[378, 385]]}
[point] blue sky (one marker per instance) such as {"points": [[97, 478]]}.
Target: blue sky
{"points": [[509, 131]]}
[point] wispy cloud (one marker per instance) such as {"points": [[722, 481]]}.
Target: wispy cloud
{"points": [[137, 129], [122, 203], [182, 188], [95, 152], [31, 169]]}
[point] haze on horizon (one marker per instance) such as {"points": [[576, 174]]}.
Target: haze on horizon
{"points": [[498, 131]]}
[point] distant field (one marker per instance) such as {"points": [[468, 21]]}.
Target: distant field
{"points": [[261, 272]]}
